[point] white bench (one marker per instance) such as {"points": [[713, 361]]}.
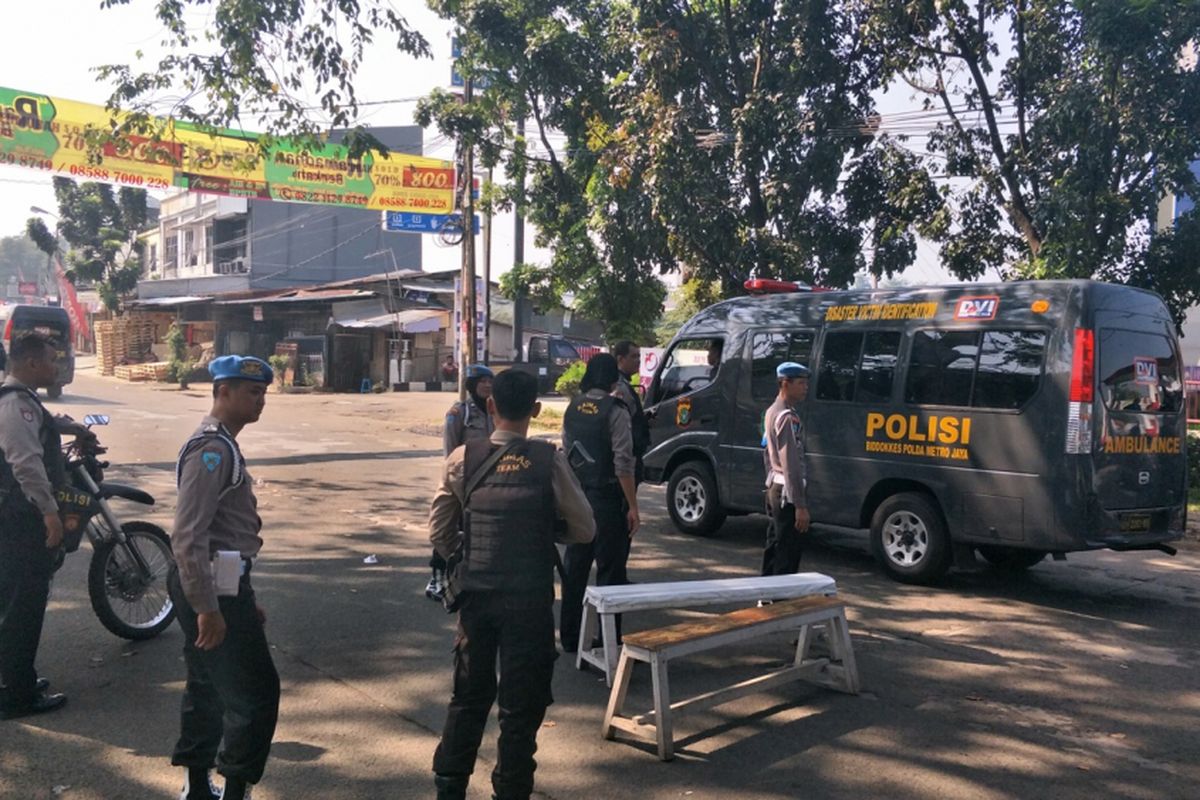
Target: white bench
{"points": [[601, 603], [658, 647]]}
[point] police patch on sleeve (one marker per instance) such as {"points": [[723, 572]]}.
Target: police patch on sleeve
{"points": [[27, 415], [211, 459]]}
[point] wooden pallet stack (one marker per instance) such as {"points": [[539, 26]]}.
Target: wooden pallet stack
{"points": [[119, 341], [151, 371]]}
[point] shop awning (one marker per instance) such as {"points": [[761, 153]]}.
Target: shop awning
{"points": [[177, 300], [412, 320]]}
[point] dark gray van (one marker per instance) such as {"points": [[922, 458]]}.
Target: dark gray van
{"points": [[1015, 419], [49, 321]]}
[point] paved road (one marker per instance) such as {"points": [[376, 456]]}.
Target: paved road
{"points": [[1074, 681]]}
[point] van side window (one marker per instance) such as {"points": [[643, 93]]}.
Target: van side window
{"points": [[941, 367], [980, 369], [690, 364], [1010, 368], [539, 351], [839, 365], [881, 350], [768, 351], [1138, 372]]}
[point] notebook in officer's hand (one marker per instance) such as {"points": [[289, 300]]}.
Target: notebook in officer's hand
{"points": [[578, 457]]}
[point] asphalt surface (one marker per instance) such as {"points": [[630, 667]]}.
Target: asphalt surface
{"points": [[1075, 680]]}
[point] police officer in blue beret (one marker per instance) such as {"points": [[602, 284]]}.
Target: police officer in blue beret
{"points": [[466, 421], [231, 701], [783, 455]]}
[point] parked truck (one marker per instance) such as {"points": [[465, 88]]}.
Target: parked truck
{"points": [[546, 358]]}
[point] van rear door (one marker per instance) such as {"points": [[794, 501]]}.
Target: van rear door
{"points": [[1139, 460]]}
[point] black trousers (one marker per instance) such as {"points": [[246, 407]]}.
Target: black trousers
{"points": [[436, 561], [231, 701], [785, 544], [517, 629], [610, 551], [25, 569]]}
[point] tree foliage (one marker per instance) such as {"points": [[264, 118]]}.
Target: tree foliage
{"points": [[691, 298], [251, 60], [1069, 118], [101, 228], [20, 258]]}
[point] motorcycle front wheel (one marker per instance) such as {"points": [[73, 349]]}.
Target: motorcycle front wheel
{"points": [[129, 602]]}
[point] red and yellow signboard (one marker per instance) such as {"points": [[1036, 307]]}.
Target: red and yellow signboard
{"points": [[50, 134]]}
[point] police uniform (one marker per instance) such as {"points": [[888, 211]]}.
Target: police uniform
{"points": [[466, 421], [600, 423], [783, 454], [507, 600], [639, 425], [231, 701], [31, 468]]}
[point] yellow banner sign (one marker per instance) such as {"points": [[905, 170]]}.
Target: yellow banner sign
{"points": [[49, 134]]}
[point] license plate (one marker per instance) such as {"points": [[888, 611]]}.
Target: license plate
{"points": [[1135, 523]]}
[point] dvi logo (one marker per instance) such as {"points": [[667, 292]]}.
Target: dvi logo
{"points": [[977, 308]]}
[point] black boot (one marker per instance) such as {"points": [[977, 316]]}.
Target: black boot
{"points": [[451, 787]]}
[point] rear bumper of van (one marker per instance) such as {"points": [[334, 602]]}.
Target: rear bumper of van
{"points": [[1137, 529]]}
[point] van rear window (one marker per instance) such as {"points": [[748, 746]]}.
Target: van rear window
{"points": [[977, 369], [1138, 372]]}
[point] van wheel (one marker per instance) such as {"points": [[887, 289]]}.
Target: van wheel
{"points": [[54, 392], [909, 538], [692, 499], [1011, 559]]}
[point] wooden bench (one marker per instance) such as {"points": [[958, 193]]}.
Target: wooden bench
{"points": [[601, 604], [658, 647]]}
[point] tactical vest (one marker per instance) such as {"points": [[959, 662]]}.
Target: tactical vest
{"points": [[639, 425], [52, 459], [509, 520], [586, 421]]}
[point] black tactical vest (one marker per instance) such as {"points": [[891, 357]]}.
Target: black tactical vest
{"points": [[586, 422], [509, 520], [51, 457]]}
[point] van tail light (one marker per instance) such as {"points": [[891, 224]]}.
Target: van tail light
{"points": [[1082, 392], [8, 330]]}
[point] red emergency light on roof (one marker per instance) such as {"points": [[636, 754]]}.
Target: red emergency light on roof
{"points": [[769, 286]]}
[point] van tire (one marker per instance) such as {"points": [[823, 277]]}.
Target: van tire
{"points": [[1010, 559], [909, 538], [54, 392], [692, 499]]}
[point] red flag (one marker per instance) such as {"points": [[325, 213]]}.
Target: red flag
{"points": [[70, 301]]}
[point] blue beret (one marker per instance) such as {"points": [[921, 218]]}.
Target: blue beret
{"points": [[790, 369], [246, 368], [479, 371]]}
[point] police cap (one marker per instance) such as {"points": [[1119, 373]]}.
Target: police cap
{"points": [[479, 371], [244, 368], [791, 370]]}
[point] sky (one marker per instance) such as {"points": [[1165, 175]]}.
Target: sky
{"points": [[64, 39]]}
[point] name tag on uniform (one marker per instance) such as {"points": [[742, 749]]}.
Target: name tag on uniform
{"points": [[227, 572]]}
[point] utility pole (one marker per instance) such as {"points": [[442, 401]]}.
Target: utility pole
{"points": [[487, 275], [467, 348], [518, 331]]}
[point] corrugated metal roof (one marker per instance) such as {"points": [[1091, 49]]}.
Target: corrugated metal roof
{"points": [[301, 296]]}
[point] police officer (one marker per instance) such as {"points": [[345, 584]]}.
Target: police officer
{"points": [[231, 701], [787, 501], [518, 489], [629, 363], [30, 529], [599, 445], [466, 421]]}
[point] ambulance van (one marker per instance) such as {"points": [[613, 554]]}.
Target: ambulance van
{"points": [[1014, 420]]}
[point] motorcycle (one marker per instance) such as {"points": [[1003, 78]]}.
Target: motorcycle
{"points": [[127, 578]]}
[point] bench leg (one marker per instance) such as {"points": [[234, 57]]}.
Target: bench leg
{"points": [[616, 698], [843, 648], [662, 708], [608, 627], [802, 642], [587, 632]]}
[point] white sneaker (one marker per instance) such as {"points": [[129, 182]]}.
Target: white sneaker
{"points": [[436, 588], [213, 792]]}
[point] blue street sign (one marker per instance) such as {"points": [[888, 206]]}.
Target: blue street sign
{"points": [[408, 222]]}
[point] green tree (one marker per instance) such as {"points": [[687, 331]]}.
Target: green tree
{"points": [[101, 228], [20, 258], [692, 297], [239, 62], [1059, 126]]}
